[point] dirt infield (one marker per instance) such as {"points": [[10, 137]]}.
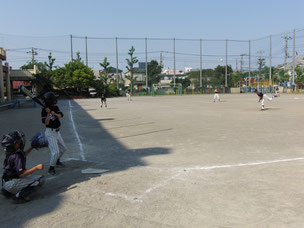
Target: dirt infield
{"points": [[172, 161]]}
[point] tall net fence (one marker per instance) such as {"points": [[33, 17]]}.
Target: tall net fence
{"points": [[281, 50]]}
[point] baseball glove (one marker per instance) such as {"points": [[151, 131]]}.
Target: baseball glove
{"points": [[39, 140]]}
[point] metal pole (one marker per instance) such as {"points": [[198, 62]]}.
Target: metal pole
{"points": [[226, 70], [294, 58], [1, 83], [146, 48], [86, 49], [249, 73], [270, 62], [8, 83], [174, 61], [117, 63], [201, 63], [71, 40]]}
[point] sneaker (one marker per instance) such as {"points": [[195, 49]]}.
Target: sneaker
{"points": [[59, 163], [20, 199], [52, 171]]}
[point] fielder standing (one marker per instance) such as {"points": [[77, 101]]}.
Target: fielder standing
{"points": [[216, 95], [50, 117]]}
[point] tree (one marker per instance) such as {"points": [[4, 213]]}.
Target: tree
{"points": [[29, 65], [299, 71], [105, 73], [130, 67], [43, 80], [51, 62], [75, 75], [154, 71], [184, 81]]}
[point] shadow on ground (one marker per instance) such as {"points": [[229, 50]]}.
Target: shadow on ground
{"points": [[101, 149]]}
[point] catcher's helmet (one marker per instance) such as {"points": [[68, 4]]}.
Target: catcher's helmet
{"points": [[50, 98], [9, 141]]}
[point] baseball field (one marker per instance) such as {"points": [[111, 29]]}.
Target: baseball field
{"points": [[169, 161]]}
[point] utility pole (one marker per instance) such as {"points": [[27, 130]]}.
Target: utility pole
{"points": [[161, 59], [201, 65], [236, 65], [286, 38], [33, 52], [226, 70], [86, 50], [242, 62], [249, 73], [270, 61], [174, 60], [146, 48], [117, 63], [71, 41], [294, 58]]}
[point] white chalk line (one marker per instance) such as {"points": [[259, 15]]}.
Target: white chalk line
{"points": [[139, 198], [76, 134], [187, 170]]}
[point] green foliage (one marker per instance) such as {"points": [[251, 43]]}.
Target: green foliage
{"points": [[130, 67], [185, 82], [74, 74], [29, 65], [299, 71], [154, 71]]}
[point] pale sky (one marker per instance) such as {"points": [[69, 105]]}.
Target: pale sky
{"points": [[234, 19]]}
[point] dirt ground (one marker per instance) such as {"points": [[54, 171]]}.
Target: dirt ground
{"points": [[172, 161]]}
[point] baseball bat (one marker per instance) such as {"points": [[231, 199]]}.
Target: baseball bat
{"points": [[26, 92]]}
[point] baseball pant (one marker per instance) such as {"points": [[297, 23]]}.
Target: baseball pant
{"points": [[56, 145], [263, 100], [216, 96], [17, 184]]}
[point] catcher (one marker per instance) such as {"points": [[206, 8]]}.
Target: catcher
{"points": [[17, 181]]}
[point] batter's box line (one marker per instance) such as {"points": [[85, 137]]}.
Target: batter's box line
{"points": [[198, 168], [180, 171]]}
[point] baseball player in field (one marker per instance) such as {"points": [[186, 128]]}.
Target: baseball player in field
{"points": [[17, 181], [216, 95], [103, 100], [262, 98], [50, 117]]}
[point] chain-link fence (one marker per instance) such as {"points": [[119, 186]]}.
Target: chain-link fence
{"points": [[256, 59]]}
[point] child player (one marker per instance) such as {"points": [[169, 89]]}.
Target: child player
{"points": [[50, 117], [262, 98], [103, 100], [216, 95], [17, 181]]}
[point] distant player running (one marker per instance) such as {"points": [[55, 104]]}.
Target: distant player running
{"points": [[128, 93], [103, 100], [262, 98], [216, 95], [277, 92]]}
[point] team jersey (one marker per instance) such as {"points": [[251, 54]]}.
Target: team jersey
{"points": [[54, 121], [215, 91], [14, 165], [103, 98], [260, 94]]}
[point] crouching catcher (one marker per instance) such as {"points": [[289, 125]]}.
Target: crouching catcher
{"points": [[17, 181]]}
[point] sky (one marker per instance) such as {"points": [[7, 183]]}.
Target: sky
{"points": [[193, 19]]}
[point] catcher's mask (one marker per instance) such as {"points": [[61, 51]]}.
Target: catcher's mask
{"points": [[50, 99], [9, 141]]}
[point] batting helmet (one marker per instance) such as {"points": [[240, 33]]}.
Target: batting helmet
{"points": [[50, 98], [9, 141]]}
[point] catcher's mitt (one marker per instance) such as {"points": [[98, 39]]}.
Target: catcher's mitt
{"points": [[39, 140]]}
